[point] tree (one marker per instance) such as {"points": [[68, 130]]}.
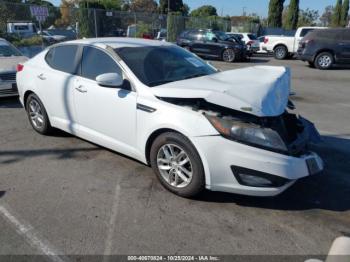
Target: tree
{"points": [[308, 17], [326, 17], [345, 13], [204, 11], [175, 6], [337, 14], [292, 15], [144, 6], [275, 13]]}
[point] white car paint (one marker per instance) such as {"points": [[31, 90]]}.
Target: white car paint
{"points": [[263, 96], [253, 44], [109, 116], [8, 70], [290, 42]]}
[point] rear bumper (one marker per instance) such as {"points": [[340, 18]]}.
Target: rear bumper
{"points": [[8, 88]]}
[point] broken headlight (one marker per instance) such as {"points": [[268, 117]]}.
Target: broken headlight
{"points": [[248, 133]]}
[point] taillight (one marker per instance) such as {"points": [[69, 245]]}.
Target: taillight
{"points": [[308, 41], [20, 67], [266, 40]]}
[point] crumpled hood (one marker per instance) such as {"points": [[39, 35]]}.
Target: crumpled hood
{"points": [[258, 90], [10, 63]]}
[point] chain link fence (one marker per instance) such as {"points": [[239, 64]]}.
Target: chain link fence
{"points": [[24, 29]]}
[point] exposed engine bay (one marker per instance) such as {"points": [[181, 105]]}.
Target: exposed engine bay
{"points": [[289, 129]]}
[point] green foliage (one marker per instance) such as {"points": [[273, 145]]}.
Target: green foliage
{"points": [[345, 13], [32, 41], [175, 6], [143, 28], [275, 13], [204, 11], [175, 25], [337, 14], [308, 17], [111, 4], [326, 17], [292, 17]]}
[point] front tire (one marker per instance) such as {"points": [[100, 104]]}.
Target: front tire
{"points": [[324, 61], [280, 52], [177, 164], [228, 55], [37, 115]]}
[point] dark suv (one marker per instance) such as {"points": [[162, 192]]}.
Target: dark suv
{"points": [[215, 44], [326, 47]]}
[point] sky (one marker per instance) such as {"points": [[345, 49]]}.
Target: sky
{"points": [[235, 7]]}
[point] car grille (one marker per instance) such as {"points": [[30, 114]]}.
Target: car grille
{"points": [[11, 76]]}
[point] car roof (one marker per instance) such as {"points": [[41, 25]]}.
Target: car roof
{"points": [[118, 42]]}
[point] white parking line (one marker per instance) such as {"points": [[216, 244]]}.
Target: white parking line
{"points": [[28, 232], [111, 225]]}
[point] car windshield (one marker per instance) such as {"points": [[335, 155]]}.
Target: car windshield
{"points": [[8, 50], [157, 65]]}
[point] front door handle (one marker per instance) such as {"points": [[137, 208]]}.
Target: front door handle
{"points": [[81, 89], [41, 76]]}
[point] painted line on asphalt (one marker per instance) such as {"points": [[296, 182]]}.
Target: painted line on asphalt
{"points": [[111, 224], [27, 231]]}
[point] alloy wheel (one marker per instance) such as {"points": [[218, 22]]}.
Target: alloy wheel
{"points": [[228, 55], [36, 115], [325, 61], [174, 165]]}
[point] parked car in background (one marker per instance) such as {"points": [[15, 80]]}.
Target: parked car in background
{"points": [[285, 46], [262, 42], [23, 29], [214, 44], [51, 38], [10, 57], [249, 39], [164, 106], [324, 48]]}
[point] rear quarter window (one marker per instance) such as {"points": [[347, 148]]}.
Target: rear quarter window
{"points": [[63, 58]]}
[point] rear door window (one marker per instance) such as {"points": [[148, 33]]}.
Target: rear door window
{"points": [[95, 62], [63, 58], [305, 31]]}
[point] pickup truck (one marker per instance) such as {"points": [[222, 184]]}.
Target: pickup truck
{"points": [[285, 46]]}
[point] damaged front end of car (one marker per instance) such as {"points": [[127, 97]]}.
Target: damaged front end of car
{"points": [[288, 134]]}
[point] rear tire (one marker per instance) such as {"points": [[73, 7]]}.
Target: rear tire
{"points": [[324, 61], [37, 115], [177, 164], [280, 52], [228, 55]]}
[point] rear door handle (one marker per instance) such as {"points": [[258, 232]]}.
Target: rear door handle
{"points": [[41, 76], [81, 89]]}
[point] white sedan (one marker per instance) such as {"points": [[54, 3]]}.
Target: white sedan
{"points": [[160, 104]]}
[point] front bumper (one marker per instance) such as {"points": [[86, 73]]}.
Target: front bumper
{"points": [[220, 154]]}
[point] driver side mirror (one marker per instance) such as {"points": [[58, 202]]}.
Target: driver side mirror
{"points": [[110, 80]]}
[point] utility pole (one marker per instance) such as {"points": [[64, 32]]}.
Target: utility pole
{"points": [[168, 6]]}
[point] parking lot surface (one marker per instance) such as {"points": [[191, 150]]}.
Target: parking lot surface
{"points": [[63, 195]]}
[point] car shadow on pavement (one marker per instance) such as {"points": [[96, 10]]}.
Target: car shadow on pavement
{"points": [[329, 190], [14, 156], [10, 102], [2, 193]]}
